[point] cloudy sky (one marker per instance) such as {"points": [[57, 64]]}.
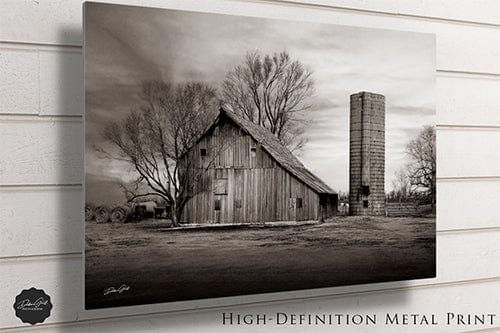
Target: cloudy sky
{"points": [[126, 45]]}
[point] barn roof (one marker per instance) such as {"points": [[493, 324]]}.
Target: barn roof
{"points": [[279, 152]]}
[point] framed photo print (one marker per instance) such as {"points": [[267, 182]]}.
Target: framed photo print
{"points": [[231, 155]]}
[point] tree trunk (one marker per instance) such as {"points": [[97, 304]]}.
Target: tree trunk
{"points": [[176, 215], [175, 222]]}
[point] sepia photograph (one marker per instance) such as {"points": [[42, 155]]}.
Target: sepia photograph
{"points": [[231, 155]]}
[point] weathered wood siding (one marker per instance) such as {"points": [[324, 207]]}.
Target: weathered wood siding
{"points": [[244, 182], [228, 146]]}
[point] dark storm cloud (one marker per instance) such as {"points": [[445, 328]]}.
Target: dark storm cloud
{"points": [[125, 45]]}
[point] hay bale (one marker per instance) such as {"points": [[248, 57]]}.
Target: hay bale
{"points": [[120, 214], [101, 214], [89, 212]]}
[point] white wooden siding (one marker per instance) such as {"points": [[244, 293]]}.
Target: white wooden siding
{"points": [[41, 162]]}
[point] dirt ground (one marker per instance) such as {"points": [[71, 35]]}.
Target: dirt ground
{"points": [[162, 265]]}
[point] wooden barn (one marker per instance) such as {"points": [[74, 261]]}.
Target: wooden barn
{"points": [[243, 174]]}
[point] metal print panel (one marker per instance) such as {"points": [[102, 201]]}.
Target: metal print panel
{"points": [[231, 155]]}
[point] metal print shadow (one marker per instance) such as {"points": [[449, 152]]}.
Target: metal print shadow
{"points": [[230, 155]]}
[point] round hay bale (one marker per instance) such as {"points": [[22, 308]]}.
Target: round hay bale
{"points": [[120, 214], [89, 212], [101, 214]]}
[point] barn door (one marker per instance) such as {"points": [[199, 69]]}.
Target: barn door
{"points": [[220, 196], [219, 204], [295, 209], [292, 209], [238, 195]]}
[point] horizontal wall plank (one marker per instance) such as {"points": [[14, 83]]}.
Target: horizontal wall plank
{"points": [[19, 85], [468, 152], [61, 278], [461, 10], [44, 82], [27, 21], [41, 152], [467, 204], [52, 217], [486, 330], [469, 100], [459, 46], [41, 221], [61, 83]]}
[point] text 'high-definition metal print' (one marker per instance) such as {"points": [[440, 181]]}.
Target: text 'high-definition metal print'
{"points": [[233, 155]]}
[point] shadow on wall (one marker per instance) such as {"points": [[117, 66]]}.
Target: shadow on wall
{"points": [[68, 67], [71, 287]]}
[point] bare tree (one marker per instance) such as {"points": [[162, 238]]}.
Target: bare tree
{"points": [[271, 91], [422, 170], [155, 139], [401, 183]]}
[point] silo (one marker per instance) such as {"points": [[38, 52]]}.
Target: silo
{"points": [[367, 154]]}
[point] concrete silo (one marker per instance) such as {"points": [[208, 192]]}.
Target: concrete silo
{"points": [[367, 154]]}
